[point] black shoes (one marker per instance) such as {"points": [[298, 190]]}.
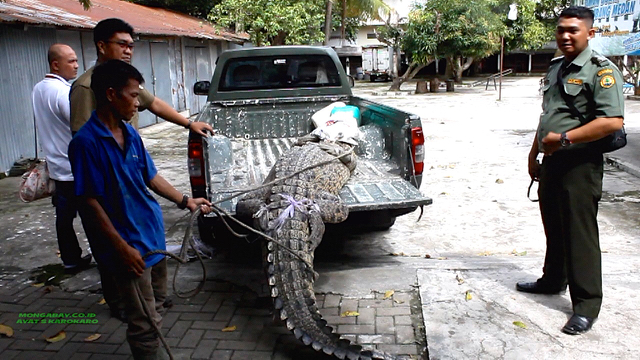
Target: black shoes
{"points": [[83, 264], [578, 324], [539, 287]]}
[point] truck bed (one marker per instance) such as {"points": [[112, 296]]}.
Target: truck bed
{"points": [[374, 184]]}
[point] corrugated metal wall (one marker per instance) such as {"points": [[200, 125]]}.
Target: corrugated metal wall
{"points": [[23, 63]]}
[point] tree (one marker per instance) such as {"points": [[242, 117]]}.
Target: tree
{"points": [[197, 8], [463, 31], [273, 22]]}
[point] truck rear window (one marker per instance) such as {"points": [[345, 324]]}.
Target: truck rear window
{"points": [[279, 72]]}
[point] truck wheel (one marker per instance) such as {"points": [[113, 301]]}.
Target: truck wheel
{"points": [[384, 224], [372, 78]]}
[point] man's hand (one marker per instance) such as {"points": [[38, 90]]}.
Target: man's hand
{"points": [[192, 205], [551, 143], [200, 128], [132, 260]]}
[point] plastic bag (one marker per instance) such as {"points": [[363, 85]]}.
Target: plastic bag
{"points": [[36, 183]]}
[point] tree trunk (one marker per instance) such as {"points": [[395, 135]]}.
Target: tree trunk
{"points": [[413, 69], [343, 18], [279, 39], [327, 22]]}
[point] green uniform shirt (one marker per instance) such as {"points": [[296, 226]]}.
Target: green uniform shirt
{"points": [[83, 102], [592, 81]]}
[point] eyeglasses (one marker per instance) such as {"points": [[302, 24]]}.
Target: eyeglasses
{"points": [[123, 44]]}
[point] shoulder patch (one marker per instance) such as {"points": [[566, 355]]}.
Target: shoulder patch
{"points": [[605, 71], [556, 59], [574, 81], [607, 81]]}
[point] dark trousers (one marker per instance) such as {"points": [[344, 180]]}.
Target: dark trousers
{"points": [[66, 204], [570, 189]]}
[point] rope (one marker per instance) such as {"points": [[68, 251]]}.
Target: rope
{"points": [[188, 241]]}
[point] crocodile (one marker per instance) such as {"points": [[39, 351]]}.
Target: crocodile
{"points": [[293, 212]]}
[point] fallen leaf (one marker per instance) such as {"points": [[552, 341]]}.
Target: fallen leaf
{"points": [[388, 294], [499, 181], [349, 314], [524, 253], [398, 301], [57, 337], [229, 329], [93, 337], [6, 330], [467, 295], [58, 253], [102, 301], [38, 285], [460, 279], [48, 289], [604, 251], [427, 256], [520, 324], [442, 258], [485, 253]]}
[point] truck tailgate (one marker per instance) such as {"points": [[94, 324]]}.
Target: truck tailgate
{"points": [[374, 185]]}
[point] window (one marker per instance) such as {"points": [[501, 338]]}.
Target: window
{"points": [[279, 72], [371, 36]]}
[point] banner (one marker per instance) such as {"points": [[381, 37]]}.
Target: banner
{"points": [[617, 26]]}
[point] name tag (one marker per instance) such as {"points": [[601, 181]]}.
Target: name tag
{"points": [[574, 81], [605, 71]]}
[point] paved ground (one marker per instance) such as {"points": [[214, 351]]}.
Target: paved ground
{"points": [[453, 273]]}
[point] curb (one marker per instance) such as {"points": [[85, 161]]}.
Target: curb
{"points": [[626, 167]]}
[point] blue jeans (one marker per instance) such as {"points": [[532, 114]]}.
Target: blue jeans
{"points": [[66, 204]]}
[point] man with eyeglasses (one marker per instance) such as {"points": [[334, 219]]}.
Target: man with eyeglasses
{"points": [[114, 40]]}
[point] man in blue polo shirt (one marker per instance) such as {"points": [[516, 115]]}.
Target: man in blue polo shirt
{"points": [[113, 174]]}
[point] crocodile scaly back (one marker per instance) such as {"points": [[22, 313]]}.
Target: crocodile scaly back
{"points": [[293, 212]]}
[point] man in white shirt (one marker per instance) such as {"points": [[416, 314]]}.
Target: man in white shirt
{"points": [[51, 109]]}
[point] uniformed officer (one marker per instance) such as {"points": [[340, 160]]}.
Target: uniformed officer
{"points": [[571, 172]]}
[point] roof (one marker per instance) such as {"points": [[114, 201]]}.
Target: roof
{"points": [[145, 20]]}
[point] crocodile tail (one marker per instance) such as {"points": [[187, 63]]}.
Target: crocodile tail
{"points": [[291, 281]]}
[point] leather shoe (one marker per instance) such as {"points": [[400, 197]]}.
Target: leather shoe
{"points": [[578, 324], [538, 287]]}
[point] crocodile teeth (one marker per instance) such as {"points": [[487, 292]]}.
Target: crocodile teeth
{"points": [[272, 280]]}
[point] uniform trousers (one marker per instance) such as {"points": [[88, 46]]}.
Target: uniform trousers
{"points": [[66, 203], [569, 192]]}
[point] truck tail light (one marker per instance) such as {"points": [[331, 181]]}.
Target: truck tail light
{"points": [[196, 163], [417, 150]]}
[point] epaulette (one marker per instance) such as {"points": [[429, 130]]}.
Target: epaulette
{"points": [[556, 59], [599, 59]]}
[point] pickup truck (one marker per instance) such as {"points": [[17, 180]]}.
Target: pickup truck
{"points": [[261, 99]]}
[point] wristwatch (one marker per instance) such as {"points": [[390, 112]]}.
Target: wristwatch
{"points": [[183, 203], [188, 126], [564, 141]]}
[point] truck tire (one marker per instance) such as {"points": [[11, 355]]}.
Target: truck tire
{"points": [[372, 78]]}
